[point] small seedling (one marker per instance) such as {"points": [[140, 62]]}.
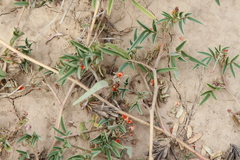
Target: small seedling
{"points": [[5, 143], [30, 139], [23, 155], [176, 17]]}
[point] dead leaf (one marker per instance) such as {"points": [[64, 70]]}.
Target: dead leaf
{"points": [[182, 118], [189, 131], [195, 138], [179, 113], [175, 128], [216, 154], [208, 150]]}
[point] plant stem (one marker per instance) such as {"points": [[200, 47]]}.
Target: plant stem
{"points": [[102, 99], [93, 21], [61, 111]]}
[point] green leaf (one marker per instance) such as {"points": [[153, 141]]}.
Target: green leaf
{"points": [[96, 151], [205, 53], [63, 125], [142, 67], [109, 8], [145, 11], [122, 129], [139, 109], [237, 65], [138, 40], [235, 58], [145, 27], [162, 20], [194, 20], [59, 139], [187, 14], [80, 46], [225, 66], [115, 151], [232, 70], [69, 73], [162, 70], [135, 34], [180, 46], [129, 151], [23, 153], [7, 146], [21, 3], [154, 26], [145, 36], [213, 87], [133, 106], [174, 54], [94, 4], [101, 122], [124, 90], [115, 144], [114, 47], [108, 154], [205, 98], [213, 95], [197, 61], [131, 64], [181, 59], [192, 59], [180, 26], [154, 36], [218, 2], [60, 132], [2, 74], [205, 93], [111, 52], [97, 86], [123, 66], [79, 72], [26, 137], [166, 15]]}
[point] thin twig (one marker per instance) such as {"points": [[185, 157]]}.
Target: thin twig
{"points": [[20, 16], [55, 95], [93, 21], [102, 99], [65, 13], [60, 113], [79, 134]]}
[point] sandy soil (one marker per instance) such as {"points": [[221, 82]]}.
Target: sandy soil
{"points": [[40, 107]]}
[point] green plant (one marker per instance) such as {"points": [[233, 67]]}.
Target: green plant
{"points": [[108, 142], [33, 3], [57, 153], [221, 58], [5, 143], [23, 155], [26, 49], [30, 139], [2, 74], [16, 34], [176, 17], [140, 97], [218, 2], [181, 55], [209, 93], [104, 143], [79, 62]]}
